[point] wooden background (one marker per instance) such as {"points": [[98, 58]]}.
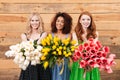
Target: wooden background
{"points": [[13, 22]]}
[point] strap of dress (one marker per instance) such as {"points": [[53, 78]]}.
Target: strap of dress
{"points": [[26, 36], [41, 34], [67, 35], [52, 34]]}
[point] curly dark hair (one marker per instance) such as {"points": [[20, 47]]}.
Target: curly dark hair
{"points": [[91, 30], [67, 23]]}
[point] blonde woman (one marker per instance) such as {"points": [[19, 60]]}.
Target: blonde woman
{"points": [[35, 31]]}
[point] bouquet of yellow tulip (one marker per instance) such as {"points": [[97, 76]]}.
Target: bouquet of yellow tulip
{"points": [[55, 49]]}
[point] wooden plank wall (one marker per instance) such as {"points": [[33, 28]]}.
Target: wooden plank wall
{"points": [[13, 22]]}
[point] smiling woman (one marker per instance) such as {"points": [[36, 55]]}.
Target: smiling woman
{"points": [[61, 27], [35, 32], [85, 29]]}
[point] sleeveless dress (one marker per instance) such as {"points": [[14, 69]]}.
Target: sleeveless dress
{"points": [[57, 68], [35, 72], [78, 73]]}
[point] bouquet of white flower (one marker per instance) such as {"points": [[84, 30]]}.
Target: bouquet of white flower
{"points": [[25, 53]]}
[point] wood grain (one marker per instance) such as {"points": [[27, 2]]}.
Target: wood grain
{"points": [[60, 1], [56, 7]]}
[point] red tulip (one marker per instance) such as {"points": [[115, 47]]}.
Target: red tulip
{"points": [[104, 54], [82, 64], [78, 54], [80, 48], [106, 49], [112, 56], [108, 69], [91, 63], [98, 44], [99, 53], [85, 44]]}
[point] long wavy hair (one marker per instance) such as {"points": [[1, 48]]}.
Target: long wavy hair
{"points": [[91, 30], [40, 28], [67, 22]]}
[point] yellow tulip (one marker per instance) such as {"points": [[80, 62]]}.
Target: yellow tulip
{"points": [[69, 53], [60, 47], [45, 64], [56, 43], [68, 39], [64, 52], [43, 58], [57, 49], [53, 47], [43, 42], [59, 53], [66, 43], [50, 36], [47, 38], [48, 42], [45, 53], [66, 55], [64, 48], [73, 42], [54, 53], [55, 39], [43, 50], [72, 49], [46, 49]]}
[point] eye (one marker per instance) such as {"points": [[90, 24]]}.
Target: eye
{"points": [[37, 20], [83, 19], [88, 19], [62, 21], [32, 20]]}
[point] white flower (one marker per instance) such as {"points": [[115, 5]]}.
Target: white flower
{"points": [[16, 60], [33, 62], [22, 59], [28, 58], [39, 48], [23, 67], [26, 62], [24, 53], [37, 58], [27, 53], [10, 53]]}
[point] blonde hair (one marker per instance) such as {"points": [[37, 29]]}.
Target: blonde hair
{"points": [[41, 24]]}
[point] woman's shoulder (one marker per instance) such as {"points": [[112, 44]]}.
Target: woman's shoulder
{"points": [[24, 36], [43, 34], [97, 33]]}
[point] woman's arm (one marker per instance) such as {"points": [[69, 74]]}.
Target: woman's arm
{"points": [[23, 37], [96, 39], [74, 37]]}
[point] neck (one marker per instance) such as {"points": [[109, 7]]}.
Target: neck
{"points": [[85, 30], [34, 31], [59, 31]]}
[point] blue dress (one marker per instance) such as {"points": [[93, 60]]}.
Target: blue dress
{"points": [[57, 68]]}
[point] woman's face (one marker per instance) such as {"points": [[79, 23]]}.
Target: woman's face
{"points": [[85, 21], [60, 23], [34, 22]]}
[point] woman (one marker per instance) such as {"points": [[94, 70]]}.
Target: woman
{"points": [[34, 32], [61, 27], [84, 30]]}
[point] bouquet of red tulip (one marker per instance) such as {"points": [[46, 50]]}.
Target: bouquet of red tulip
{"points": [[92, 54]]}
